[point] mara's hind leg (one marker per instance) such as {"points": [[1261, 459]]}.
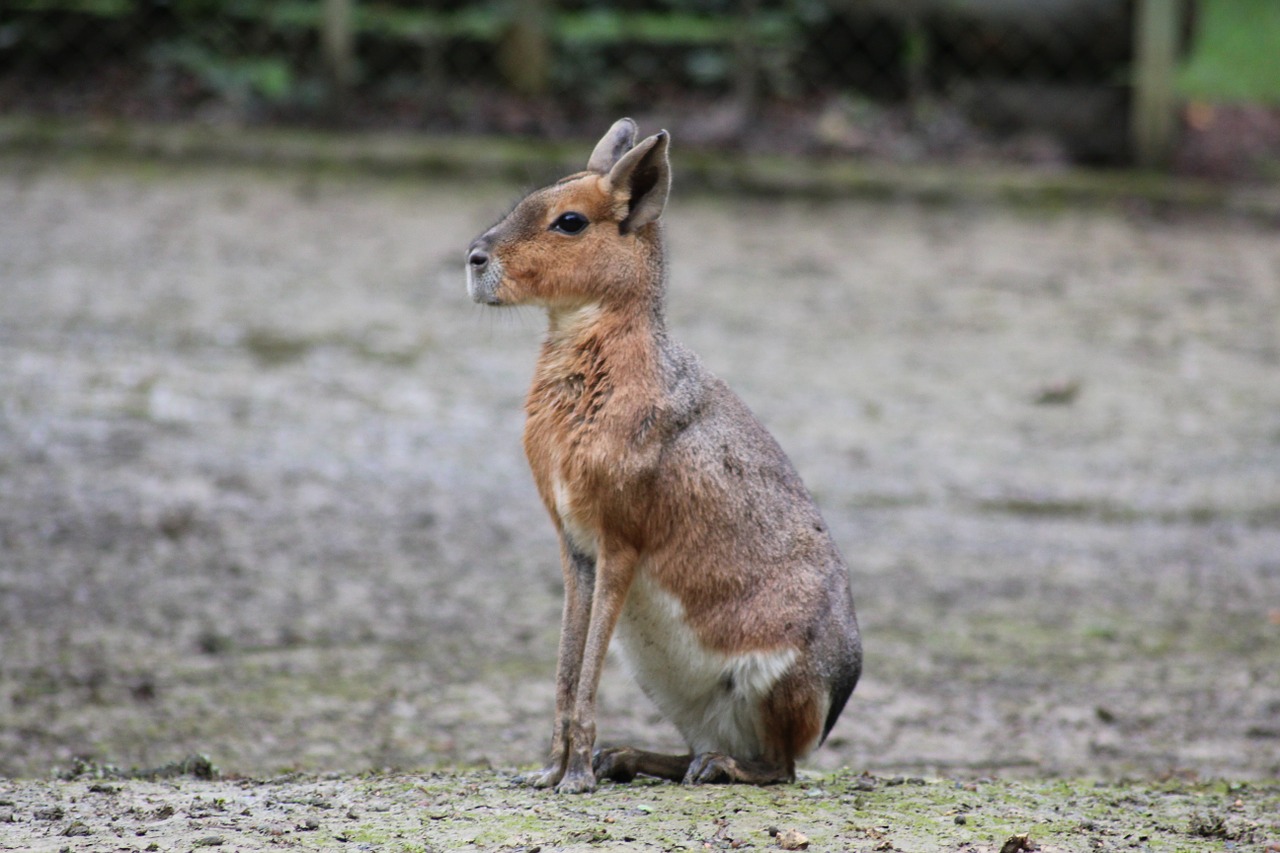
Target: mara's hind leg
{"points": [[791, 725], [622, 764], [791, 720]]}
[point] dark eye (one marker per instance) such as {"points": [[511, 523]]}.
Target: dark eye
{"points": [[569, 223]]}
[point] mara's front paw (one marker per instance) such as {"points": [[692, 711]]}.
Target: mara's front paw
{"points": [[547, 777], [577, 782]]}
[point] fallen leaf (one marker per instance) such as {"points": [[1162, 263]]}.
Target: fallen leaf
{"points": [[1017, 843]]}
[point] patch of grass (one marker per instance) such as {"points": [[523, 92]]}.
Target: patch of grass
{"points": [[272, 348], [1236, 55]]}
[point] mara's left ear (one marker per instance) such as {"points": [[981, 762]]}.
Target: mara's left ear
{"points": [[609, 150], [643, 176]]}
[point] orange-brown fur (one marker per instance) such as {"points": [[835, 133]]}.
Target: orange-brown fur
{"points": [[648, 464]]}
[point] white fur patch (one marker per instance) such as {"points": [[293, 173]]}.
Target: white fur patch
{"points": [[568, 323], [713, 698], [484, 288], [583, 539]]}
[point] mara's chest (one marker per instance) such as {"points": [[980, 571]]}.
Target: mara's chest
{"points": [[568, 468], [581, 442]]}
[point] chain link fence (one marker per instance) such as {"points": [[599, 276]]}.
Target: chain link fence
{"points": [[905, 80]]}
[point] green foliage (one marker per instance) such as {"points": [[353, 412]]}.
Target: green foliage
{"points": [[233, 77], [472, 21], [100, 8], [698, 36], [1236, 56]]}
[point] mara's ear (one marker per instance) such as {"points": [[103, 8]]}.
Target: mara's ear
{"points": [[643, 176], [620, 139]]}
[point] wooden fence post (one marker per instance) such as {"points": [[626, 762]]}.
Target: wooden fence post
{"points": [[1153, 115], [339, 48], [524, 52], [746, 62]]}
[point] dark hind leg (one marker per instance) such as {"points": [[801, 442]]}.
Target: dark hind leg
{"points": [[622, 764], [793, 724]]}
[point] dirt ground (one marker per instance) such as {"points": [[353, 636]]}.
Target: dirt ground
{"points": [[262, 495], [435, 812]]}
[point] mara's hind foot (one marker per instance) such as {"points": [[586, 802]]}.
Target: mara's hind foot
{"points": [[623, 764], [712, 767]]}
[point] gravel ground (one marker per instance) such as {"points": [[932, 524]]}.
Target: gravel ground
{"points": [[262, 495]]}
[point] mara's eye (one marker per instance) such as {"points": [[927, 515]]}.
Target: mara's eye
{"points": [[569, 223]]}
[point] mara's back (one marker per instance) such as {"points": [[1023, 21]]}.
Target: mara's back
{"points": [[736, 539]]}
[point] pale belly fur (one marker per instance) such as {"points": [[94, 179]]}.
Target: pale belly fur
{"points": [[713, 698]]}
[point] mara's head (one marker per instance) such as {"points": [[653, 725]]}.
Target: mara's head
{"points": [[591, 237]]}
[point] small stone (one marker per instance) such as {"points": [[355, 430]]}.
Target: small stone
{"points": [[793, 839], [209, 841], [961, 820], [77, 828], [864, 783]]}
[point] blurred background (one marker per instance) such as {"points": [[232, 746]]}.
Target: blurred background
{"points": [[1192, 85]]}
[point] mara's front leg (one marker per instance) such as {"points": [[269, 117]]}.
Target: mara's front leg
{"points": [[579, 587], [614, 572]]}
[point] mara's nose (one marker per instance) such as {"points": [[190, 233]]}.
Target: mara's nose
{"points": [[478, 258]]}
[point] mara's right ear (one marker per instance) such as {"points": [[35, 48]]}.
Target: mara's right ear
{"points": [[620, 139], [643, 178]]}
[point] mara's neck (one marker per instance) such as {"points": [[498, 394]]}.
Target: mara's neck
{"points": [[595, 350], [600, 327], [621, 333]]}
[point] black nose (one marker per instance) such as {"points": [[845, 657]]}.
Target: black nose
{"points": [[478, 257]]}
